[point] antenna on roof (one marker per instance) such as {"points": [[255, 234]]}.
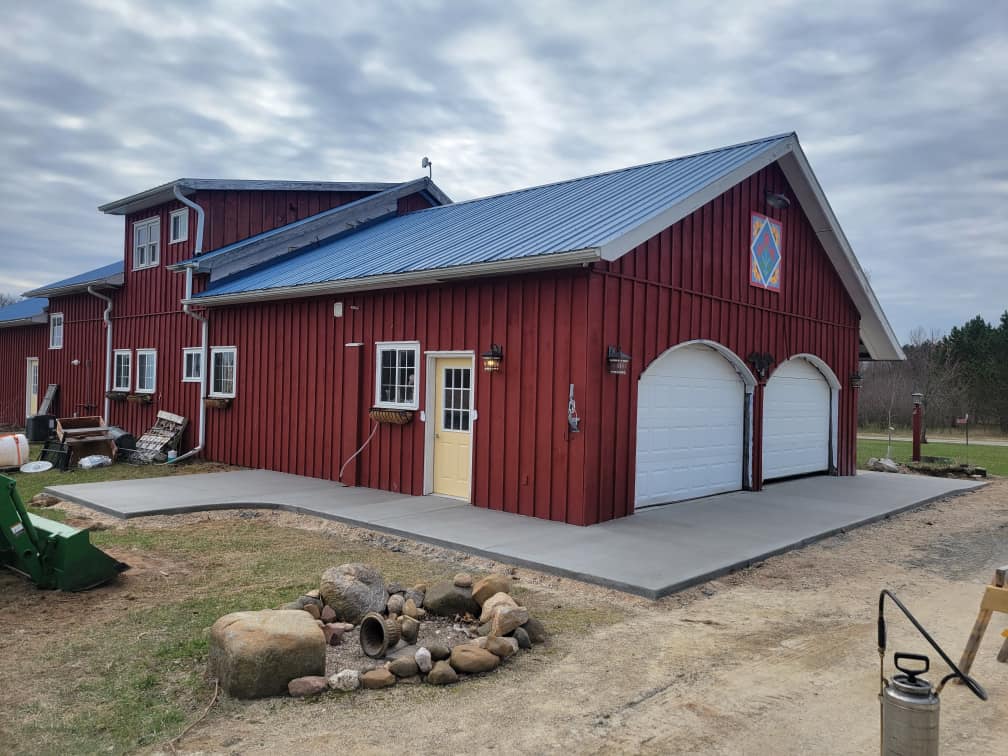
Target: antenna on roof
{"points": [[426, 163]]}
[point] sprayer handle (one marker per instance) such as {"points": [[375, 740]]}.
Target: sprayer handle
{"points": [[899, 656]]}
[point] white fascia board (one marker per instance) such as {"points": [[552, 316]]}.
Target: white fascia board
{"points": [[399, 280], [33, 320], [876, 332], [112, 282], [616, 248]]}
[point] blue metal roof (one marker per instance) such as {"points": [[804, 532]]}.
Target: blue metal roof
{"points": [[82, 280], [578, 214], [24, 310]]}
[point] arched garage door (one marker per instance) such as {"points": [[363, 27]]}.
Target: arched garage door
{"points": [[797, 408], [691, 408]]}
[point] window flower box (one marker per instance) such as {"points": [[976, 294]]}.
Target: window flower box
{"points": [[139, 398], [391, 416], [217, 402], [116, 396]]}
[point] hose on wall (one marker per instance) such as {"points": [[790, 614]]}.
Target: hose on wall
{"points": [[354, 455]]}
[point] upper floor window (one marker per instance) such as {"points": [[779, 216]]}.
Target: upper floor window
{"points": [[178, 223], [192, 365], [146, 370], [223, 371], [146, 243], [396, 379], [56, 330]]}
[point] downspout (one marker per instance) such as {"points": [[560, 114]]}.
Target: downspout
{"points": [[107, 317], [204, 324]]}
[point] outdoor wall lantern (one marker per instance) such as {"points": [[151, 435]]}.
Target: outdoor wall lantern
{"points": [[761, 362], [856, 380], [776, 200], [617, 360], [918, 398], [492, 358]]}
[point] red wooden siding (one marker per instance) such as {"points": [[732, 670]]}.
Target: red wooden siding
{"points": [[82, 386], [691, 281], [303, 395], [17, 344]]}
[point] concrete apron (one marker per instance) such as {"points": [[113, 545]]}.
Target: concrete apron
{"points": [[655, 552]]}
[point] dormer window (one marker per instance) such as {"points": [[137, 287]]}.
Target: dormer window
{"points": [[146, 243], [178, 223]]}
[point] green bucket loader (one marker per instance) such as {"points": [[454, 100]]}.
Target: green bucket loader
{"points": [[51, 554]]}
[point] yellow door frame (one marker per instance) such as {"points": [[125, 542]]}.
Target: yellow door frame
{"points": [[429, 415]]}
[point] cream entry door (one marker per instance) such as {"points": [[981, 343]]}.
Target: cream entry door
{"points": [[32, 388], [453, 426]]}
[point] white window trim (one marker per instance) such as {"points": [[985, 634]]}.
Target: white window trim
{"points": [[184, 213], [147, 221], [115, 373], [214, 351], [185, 362], [381, 346], [52, 330], [153, 353]]}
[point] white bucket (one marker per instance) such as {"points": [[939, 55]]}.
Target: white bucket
{"points": [[13, 450]]}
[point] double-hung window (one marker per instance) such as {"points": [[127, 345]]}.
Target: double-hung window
{"points": [[122, 360], [223, 371], [56, 330], [146, 243], [178, 226], [146, 371], [192, 365], [396, 378]]}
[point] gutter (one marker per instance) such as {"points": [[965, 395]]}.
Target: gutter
{"points": [[107, 317], [201, 319], [397, 280]]}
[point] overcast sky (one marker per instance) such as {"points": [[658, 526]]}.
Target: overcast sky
{"points": [[902, 111]]}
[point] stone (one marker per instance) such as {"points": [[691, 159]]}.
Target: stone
{"points": [[401, 651], [345, 679], [404, 666], [479, 642], [472, 659], [328, 614], [438, 651], [353, 590], [486, 587], [417, 596], [442, 674], [255, 654], [378, 678], [463, 580], [305, 600], [536, 630], [313, 610], [314, 593], [394, 605], [522, 637], [483, 629], [447, 600], [410, 608], [291, 605], [422, 657], [410, 629], [498, 599], [508, 618], [307, 686], [333, 633], [392, 588], [502, 647]]}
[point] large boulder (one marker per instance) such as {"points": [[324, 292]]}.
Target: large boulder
{"points": [[353, 590], [498, 599], [486, 587], [256, 654], [507, 618], [447, 599]]}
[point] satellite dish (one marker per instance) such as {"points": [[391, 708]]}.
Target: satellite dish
{"points": [[36, 467], [425, 163]]}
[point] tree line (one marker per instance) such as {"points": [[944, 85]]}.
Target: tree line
{"points": [[963, 372]]}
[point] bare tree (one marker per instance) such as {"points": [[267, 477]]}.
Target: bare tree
{"points": [[8, 299], [934, 374]]}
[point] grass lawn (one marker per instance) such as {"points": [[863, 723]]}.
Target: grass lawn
{"points": [[994, 458]]}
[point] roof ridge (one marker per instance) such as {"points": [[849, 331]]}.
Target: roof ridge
{"points": [[575, 179]]}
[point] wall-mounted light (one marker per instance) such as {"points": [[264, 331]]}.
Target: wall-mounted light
{"points": [[492, 358], [856, 380], [761, 362], [617, 360], [776, 200], [75, 362], [918, 398]]}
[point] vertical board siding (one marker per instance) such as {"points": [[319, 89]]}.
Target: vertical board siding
{"points": [[17, 344], [691, 281], [304, 389]]}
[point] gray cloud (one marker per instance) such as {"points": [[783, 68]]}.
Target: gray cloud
{"points": [[901, 109]]}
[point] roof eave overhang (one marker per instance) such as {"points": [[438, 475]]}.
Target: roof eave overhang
{"points": [[110, 282], [876, 332], [41, 319], [553, 261]]}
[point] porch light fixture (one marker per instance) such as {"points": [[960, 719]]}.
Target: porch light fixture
{"points": [[856, 380], [492, 358], [918, 398], [761, 362], [776, 200], [617, 360]]}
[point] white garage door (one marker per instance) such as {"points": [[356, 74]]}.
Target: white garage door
{"points": [[690, 420], [796, 421]]}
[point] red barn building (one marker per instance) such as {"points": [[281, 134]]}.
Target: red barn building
{"points": [[572, 351]]}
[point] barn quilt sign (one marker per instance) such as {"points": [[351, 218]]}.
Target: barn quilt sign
{"points": [[765, 252]]}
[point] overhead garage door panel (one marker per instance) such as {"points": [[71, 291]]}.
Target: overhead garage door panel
{"points": [[691, 406], [796, 421]]}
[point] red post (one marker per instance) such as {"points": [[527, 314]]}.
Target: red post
{"points": [[918, 413]]}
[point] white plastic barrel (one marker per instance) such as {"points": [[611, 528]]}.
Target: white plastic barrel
{"points": [[13, 450]]}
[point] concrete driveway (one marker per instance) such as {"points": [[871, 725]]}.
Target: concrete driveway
{"points": [[655, 552]]}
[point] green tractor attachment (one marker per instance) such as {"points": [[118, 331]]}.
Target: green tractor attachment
{"points": [[51, 554]]}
